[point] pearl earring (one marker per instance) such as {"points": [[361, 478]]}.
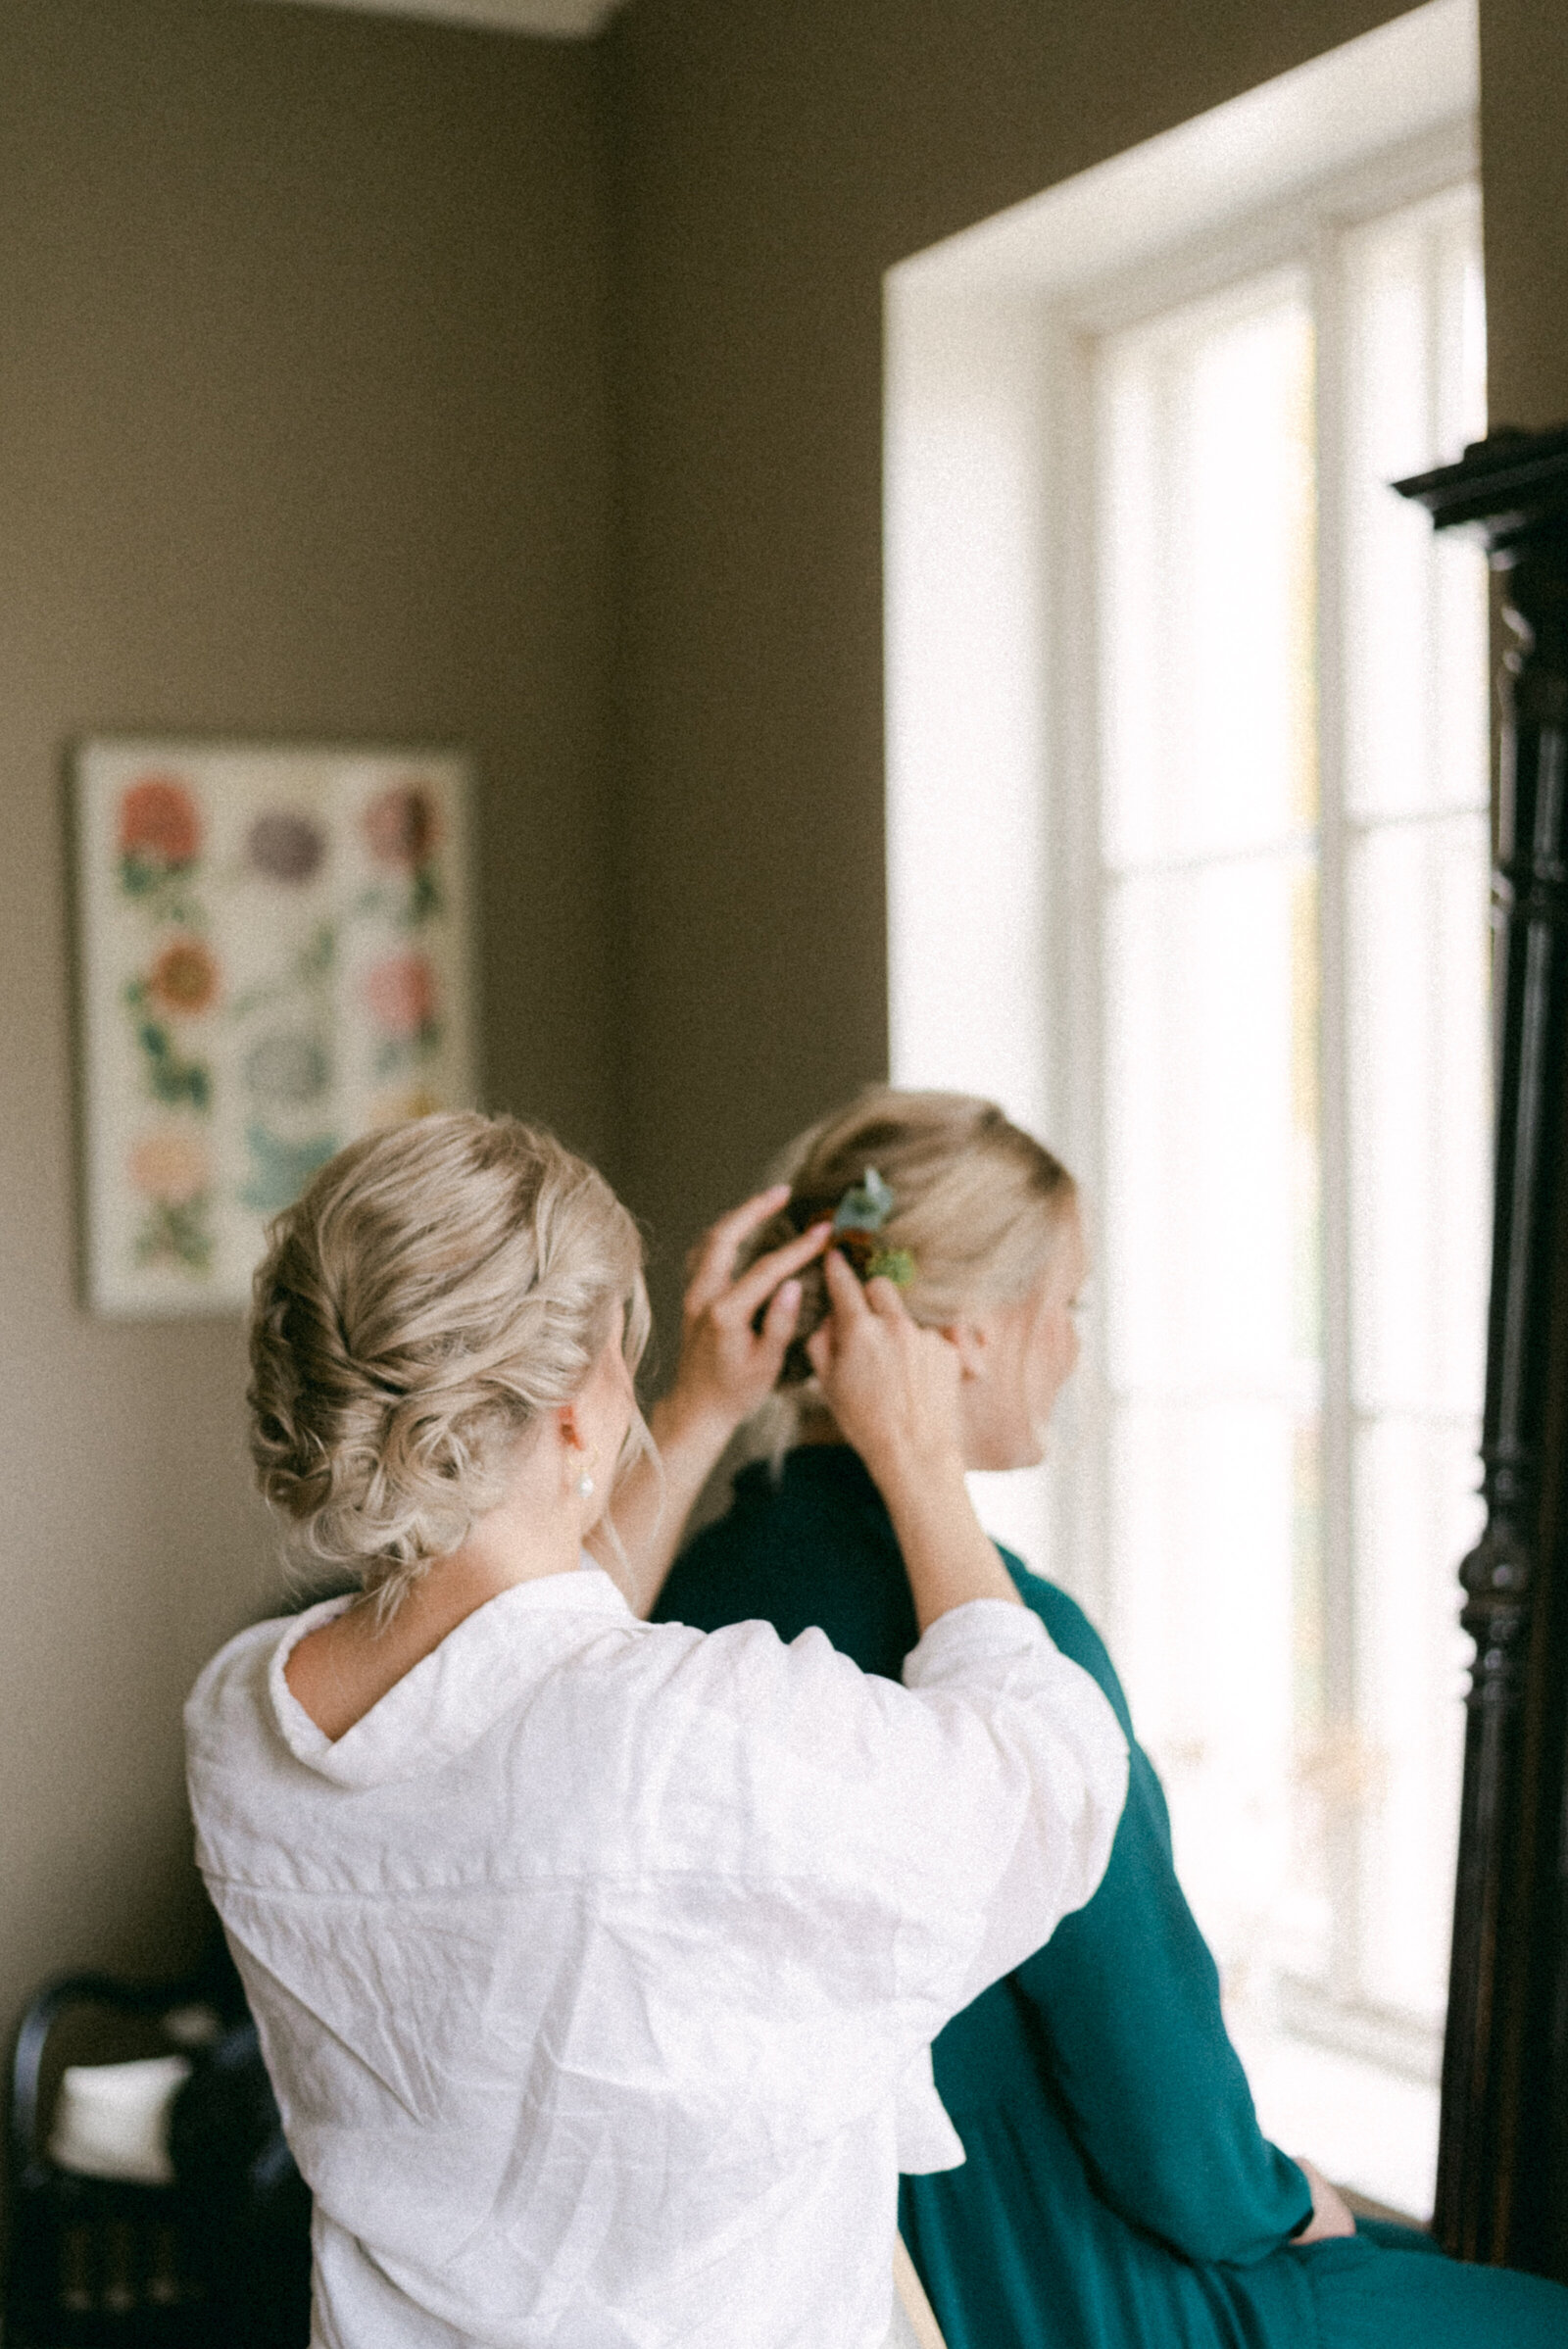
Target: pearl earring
{"points": [[585, 1485]]}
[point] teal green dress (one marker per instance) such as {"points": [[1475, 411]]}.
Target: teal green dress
{"points": [[1117, 2191]]}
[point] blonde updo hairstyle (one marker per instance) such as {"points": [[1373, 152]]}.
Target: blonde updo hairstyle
{"points": [[435, 1291], [977, 1203]]}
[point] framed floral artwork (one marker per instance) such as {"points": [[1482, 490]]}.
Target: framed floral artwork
{"points": [[274, 948]]}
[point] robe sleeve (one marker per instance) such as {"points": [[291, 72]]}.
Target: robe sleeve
{"points": [[949, 1824], [1126, 1999], [1042, 1719]]}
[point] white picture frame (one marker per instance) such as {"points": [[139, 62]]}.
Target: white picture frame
{"points": [[274, 955]]}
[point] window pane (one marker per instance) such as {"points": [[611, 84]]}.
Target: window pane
{"points": [[1210, 1279], [1418, 1088], [1210, 1132], [1207, 556], [1420, 1114], [1291, 1646]]}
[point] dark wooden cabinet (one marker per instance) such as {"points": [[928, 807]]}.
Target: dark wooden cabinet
{"points": [[1502, 2168]]}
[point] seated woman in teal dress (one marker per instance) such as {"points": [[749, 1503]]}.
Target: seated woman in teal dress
{"points": [[1117, 2192]]}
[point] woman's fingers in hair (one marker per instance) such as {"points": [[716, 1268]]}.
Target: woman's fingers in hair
{"points": [[892, 1385], [735, 1332], [761, 1280], [711, 1261], [854, 1301], [851, 1306], [849, 1294], [778, 1325]]}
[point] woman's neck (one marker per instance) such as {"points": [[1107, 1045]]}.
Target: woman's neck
{"points": [[342, 1669]]}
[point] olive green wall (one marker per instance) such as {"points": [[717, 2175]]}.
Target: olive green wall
{"points": [[305, 432], [1524, 175]]}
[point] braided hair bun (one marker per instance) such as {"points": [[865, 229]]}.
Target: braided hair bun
{"points": [[434, 1289]]}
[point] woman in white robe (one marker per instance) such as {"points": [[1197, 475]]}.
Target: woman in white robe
{"points": [[596, 1963]]}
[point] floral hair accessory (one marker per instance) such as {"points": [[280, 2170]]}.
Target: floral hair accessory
{"points": [[865, 1206], [857, 1222]]}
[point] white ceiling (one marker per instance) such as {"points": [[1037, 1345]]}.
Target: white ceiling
{"points": [[562, 20]]}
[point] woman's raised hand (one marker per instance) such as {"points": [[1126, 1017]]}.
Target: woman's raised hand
{"points": [[894, 1389], [729, 1361], [892, 1385]]}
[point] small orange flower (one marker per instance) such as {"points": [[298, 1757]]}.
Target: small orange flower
{"points": [[185, 977], [157, 823], [173, 1168]]}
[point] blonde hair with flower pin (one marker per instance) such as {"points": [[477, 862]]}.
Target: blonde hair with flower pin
{"points": [[939, 1193]]}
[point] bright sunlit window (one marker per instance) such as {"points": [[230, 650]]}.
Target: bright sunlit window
{"points": [[1187, 865]]}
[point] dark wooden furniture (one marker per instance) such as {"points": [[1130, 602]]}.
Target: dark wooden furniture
{"points": [[96, 2262], [219, 2260], [1502, 2170]]}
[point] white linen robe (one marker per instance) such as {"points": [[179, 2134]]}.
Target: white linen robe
{"points": [[597, 1966]]}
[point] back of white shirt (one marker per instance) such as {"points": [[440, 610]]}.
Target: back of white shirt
{"points": [[598, 1966]]}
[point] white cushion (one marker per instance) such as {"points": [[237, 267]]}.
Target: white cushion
{"points": [[112, 2120]]}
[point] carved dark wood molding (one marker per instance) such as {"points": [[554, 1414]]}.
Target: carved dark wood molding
{"points": [[1502, 2168]]}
